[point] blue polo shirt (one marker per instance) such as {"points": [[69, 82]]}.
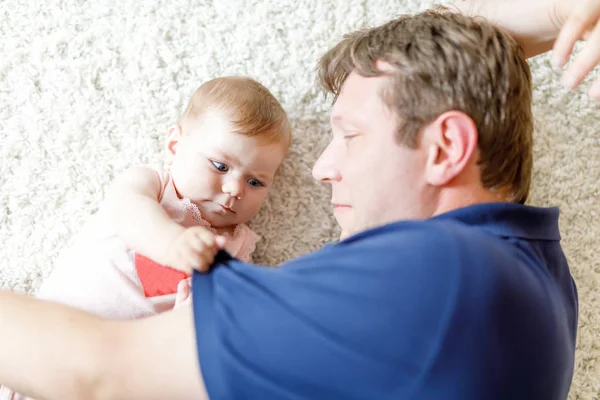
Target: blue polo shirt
{"points": [[477, 303]]}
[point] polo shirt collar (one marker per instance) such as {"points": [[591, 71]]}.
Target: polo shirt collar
{"points": [[509, 220]]}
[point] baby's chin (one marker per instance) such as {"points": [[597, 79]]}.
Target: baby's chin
{"points": [[223, 225], [219, 223]]}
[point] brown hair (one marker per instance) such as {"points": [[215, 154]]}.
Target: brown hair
{"points": [[250, 107], [446, 61]]}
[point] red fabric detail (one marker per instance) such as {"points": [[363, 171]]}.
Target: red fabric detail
{"points": [[157, 279]]}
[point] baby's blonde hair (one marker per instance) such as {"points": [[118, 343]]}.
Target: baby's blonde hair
{"points": [[248, 105]]}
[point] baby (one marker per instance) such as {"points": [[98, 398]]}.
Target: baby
{"points": [[222, 157]]}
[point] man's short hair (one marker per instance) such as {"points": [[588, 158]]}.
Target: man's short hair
{"points": [[446, 61]]}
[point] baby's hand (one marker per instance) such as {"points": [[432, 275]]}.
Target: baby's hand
{"points": [[194, 248]]}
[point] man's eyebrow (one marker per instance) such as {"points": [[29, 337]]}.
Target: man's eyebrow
{"points": [[339, 119]]}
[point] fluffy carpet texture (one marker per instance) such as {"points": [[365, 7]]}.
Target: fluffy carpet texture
{"points": [[89, 88]]}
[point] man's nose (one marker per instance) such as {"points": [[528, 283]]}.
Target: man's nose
{"points": [[325, 168]]}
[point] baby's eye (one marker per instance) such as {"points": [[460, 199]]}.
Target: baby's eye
{"points": [[255, 183], [220, 166]]}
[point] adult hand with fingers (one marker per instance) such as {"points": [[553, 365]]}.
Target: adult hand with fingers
{"points": [[543, 25], [581, 22], [194, 248]]}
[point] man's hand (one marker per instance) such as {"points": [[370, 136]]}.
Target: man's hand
{"points": [[183, 297], [194, 248], [542, 25], [581, 20]]}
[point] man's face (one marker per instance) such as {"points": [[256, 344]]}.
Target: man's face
{"points": [[375, 180]]}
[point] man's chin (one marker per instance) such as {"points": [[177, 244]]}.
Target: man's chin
{"points": [[351, 231], [345, 234]]}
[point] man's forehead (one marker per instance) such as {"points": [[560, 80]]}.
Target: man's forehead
{"points": [[352, 97], [358, 98]]}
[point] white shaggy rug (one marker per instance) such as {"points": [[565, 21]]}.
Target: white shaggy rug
{"points": [[88, 88]]}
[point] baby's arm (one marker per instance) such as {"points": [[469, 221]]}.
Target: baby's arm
{"points": [[133, 207]]}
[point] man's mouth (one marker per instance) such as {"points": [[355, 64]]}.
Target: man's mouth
{"points": [[338, 206]]}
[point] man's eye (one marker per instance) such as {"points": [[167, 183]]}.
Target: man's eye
{"points": [[220, 166], [347, 139], [255, 183]]}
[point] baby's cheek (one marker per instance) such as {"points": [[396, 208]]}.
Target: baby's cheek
{"points": [[261, 199], [207, 183], [254, 205]]}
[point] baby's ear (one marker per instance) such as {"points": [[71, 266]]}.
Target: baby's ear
{"points": [[173, 138]]}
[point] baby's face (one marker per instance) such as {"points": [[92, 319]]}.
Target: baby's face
{"points": [[227, 175]]}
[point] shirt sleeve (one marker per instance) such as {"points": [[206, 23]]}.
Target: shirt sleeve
{"points": [[356, 320]]}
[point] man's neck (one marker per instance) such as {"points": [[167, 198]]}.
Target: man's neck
{"points": [[454, 198]]}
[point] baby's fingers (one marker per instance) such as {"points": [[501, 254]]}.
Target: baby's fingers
{"points": [[183, 265], [212, 241], [221, 241], [200, 260]]}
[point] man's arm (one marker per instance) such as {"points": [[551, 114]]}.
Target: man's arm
{"points": [[49, 351]]}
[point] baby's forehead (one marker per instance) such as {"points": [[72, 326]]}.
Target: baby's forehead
{"points": [[207, 121], [227, 142], [221, 125]]}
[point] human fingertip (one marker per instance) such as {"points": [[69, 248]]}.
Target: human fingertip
{"points": [[221, 241], [200, 268]]}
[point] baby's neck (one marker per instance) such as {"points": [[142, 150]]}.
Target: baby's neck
{"points": [[226, 230]]}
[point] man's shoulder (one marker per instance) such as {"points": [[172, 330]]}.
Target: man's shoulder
{"points": [[447, 261], [434, 244]]}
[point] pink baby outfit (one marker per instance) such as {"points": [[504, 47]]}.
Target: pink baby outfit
{"points": [[97, 272]]}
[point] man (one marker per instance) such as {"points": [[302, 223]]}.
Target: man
{"points": [[443, 287]]}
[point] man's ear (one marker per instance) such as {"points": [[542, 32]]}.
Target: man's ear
{"points": [[451, 142], [173, 138]]}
